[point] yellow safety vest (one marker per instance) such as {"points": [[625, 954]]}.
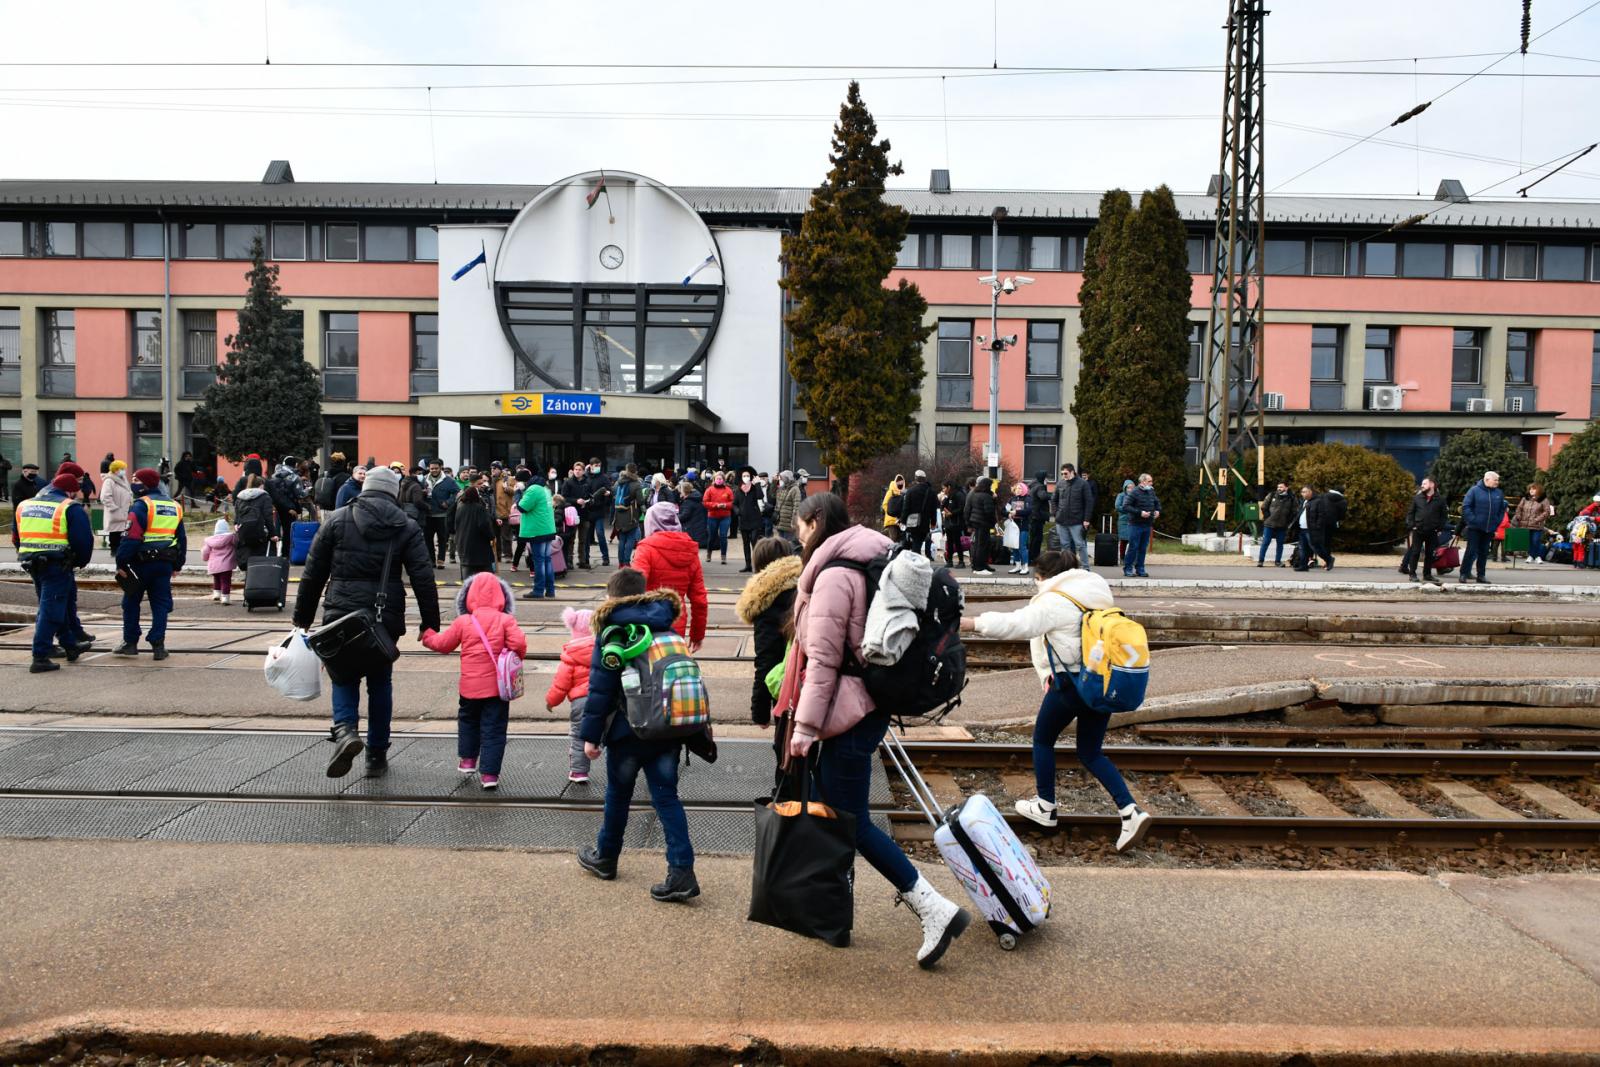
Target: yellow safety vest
{"points": [[42, 527], [163, 519]]}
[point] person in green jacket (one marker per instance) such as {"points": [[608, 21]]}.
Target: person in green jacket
{"points": [[538, 527]]}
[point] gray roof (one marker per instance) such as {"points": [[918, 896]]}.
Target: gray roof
{"points": [[973, 204]]}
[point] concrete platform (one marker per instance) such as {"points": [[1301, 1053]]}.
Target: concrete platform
{"points": [[267, 947]]}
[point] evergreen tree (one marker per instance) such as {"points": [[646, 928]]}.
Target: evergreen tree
{"points": [[1574, 475], [1464, 458], [856, 346], [1133, 380], [266, 398]]}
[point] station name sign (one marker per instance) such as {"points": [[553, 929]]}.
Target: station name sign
{"points": [[550, 403]]}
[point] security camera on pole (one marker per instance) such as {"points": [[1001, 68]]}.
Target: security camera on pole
{"points": [[994, 343]]}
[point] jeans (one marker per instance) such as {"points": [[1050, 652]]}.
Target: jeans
{"points": [[595, 530], [380, 705], [1477, 551], [1138, 545], [1019, 555], [577, 761], [626, 756], [1075, 537], [625, 545], [55, 587], [1304, 544], [1061, 705], [1536, 544], [544, 572], [844, 780], [1270, 534], [157, 579], [717, 535], [481, 731]]}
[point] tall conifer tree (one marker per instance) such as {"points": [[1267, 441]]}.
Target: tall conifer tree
{"points": [[856, 346]]}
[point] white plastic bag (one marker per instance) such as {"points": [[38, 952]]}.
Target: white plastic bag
{"points": [[293, 669], [1012, 536]]}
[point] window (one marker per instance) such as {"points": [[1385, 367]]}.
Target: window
{"points": [[200, 240], [1010, 253], [199, 351], [344, 435], [288, 240], [147, 241], [1040, 446], [1327, 368], [427, 242], [11, 352], [1379, 357], [1522, 261], [909, 255], [807, 456], [13, 239], [58, 373], [1594, 256], [342, 242], [341, 354], [952, 442], [1422, 260], [60, 439], [1519, 357], [144, 362], [424, 440], [60, 238], [11, 436], [1197, 256], [1379, 258], [1044, 366], [1594, 379], [1073, 251], [1197, 348], [955, 363], [616, 338], [1044, 253], [239, 238], [955, 251], [105, 240], [1466, 368], [1466, 261], [1327, 256], [1285, 257], [1563, 263], [147, 443], [387, 244], [424, 354]]}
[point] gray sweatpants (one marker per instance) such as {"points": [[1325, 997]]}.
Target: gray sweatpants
{"points": [[577, 762]]}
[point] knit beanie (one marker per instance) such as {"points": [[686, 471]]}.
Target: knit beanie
{"points": [[71, 468], [67, 483], [382, 480], [662, 516], [147, 477], [578, 621]]}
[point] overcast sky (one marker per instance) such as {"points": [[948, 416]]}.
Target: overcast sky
{"points": [[1004, 129]]}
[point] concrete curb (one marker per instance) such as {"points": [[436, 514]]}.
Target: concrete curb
{"points": [[1365, 590]]}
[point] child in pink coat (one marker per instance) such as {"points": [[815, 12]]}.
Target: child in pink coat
{"points": [[219, 552], [572, 684], [483, 603]]}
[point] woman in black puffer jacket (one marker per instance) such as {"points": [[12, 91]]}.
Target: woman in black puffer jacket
{"points": [[475, 533]]}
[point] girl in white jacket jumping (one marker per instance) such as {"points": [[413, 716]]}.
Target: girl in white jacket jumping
{"points": [[1052, 622]]}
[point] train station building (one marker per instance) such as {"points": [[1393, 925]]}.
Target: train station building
{"points": [[609, 314]]}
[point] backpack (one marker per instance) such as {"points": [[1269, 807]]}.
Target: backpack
{"points": [[327, 492], [507, 665], [1116, 660], [664, 694], [254, 530], [925, 684]]}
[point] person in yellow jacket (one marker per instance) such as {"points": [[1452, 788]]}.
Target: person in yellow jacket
{"points": [[894, 506], [53, 537], [151, 549]]}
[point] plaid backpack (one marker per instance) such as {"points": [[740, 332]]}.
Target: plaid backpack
{"points": [[664, 694]]}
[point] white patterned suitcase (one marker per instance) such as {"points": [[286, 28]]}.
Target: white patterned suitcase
{"points": [[981, 850]]}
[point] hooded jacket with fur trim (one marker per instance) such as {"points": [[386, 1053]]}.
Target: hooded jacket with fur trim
{"points": [[487, 600], [767, 600], [656, 609]]}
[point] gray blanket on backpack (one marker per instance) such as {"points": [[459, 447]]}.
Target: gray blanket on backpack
{"points": [[892, 620]]}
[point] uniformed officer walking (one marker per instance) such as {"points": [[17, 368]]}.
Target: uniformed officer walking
{"points": [[152, 546], [53, 536]]}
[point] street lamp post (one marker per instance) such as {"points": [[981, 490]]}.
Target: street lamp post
{"points": [[994, 343]]}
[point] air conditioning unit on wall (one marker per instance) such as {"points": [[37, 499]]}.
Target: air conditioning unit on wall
{"points": [[1513, 403], [1384, 397], [1480, 404], [1274, 401]]}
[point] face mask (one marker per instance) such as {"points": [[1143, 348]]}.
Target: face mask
{"points": [[552, 474], [746, 479]]}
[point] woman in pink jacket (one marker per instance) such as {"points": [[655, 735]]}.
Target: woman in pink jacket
{"points": [[484, 626], [832, 707]]}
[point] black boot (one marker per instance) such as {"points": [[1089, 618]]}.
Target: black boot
{"points": [[127, 648], [680, 885], [41, 666], [158, 651], [589, 859], [346, 747], [377, 764]]}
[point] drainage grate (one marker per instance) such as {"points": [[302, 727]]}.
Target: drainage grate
{"points": [[302, 824], [45, 754], [116, 768], [42, 817], [227, 766]]}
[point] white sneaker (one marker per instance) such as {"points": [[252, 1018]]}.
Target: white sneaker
{"points": [[943, 920], [216, 596], [1135, 824], [226, 599], [985, 571], [1038, 810]]}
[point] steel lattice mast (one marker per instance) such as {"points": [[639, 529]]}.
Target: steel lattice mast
{"points": [[1231, 396]]}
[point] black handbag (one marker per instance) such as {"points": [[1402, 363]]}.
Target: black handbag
{"points": [[350, 644], [805, 853]]}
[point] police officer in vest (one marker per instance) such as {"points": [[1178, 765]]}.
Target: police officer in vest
{"points": [[53, 536], [152, 547]]}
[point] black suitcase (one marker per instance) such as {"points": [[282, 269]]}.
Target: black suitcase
{"points": [[266, 583], [1105, 550]]}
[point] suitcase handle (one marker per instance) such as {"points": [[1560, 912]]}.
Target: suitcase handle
{"points": [[920, 792]]}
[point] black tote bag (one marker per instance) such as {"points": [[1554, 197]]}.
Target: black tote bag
{"points": [[804, 865], [349, 645]]}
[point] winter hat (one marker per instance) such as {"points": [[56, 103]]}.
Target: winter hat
{"points": [[147, 477], [116, 465], [1020, 489], [662, 516], [578, 623], [67, 483], [382, 480], [1127, 483], [221, 527], [71, 468]]}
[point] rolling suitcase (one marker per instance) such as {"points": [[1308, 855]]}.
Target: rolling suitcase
{"points": [[301, 535], [1105, 550], [992, 865], [266, 583]]}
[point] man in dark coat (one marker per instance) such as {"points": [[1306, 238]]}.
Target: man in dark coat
{"points": [[347, 557], [921, 504], [28, 484], [1481, 511], [981, 516], [1426, 519], [1277, 512], [1074, 512], [1039, 512]]}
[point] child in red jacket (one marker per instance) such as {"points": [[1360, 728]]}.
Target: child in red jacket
{"points": [[572, 685], [483, 605]]}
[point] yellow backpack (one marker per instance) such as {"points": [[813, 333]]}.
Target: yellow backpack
{"points": [[1116, 659]]}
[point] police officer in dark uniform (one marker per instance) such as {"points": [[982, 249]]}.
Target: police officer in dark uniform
{"points": [[151, 548], [53, 537]]}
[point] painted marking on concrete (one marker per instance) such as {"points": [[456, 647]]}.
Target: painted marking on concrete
{"points": [[1310, 802], [1389, 803], [1471, 801], [1554, 801], [1171, 605], [1208, 795], [1379, 661]]}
